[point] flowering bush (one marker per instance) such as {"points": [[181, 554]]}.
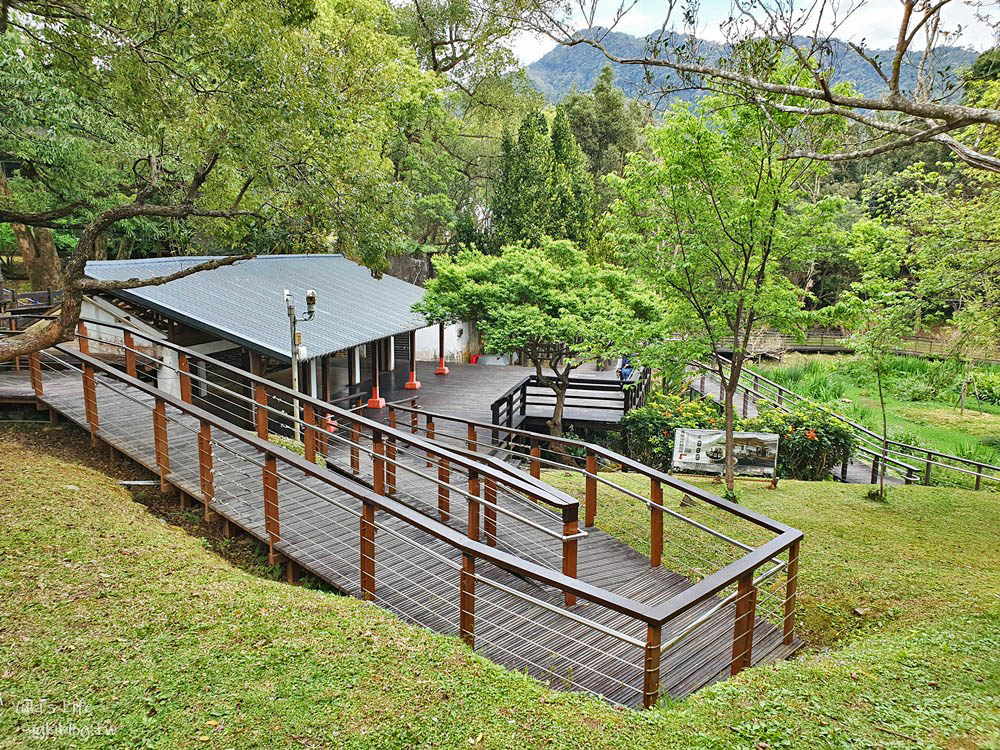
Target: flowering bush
{"points": [[649, 430], [811, 443]]}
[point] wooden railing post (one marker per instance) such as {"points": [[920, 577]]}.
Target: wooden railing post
{"points": [[430, 436], [82, 342], [90, 402], [414, 418], [161, 448], [205, 472], [309, 432], [378, 463], [368, 551], [130, 354], [791, 584], [651, 667], [13, 328], [473, 517], [489, 511], [655, 524], [536, 453], [746, 612], [35, 368], [510, 408], [875, 470], [444, 494], [495, 419], [355, 438], [271, 520], [571, 526], [184, 373], [843, 467], [260, 411], [471, 441], [927, 470], [590, 501], [979, 477], [467, 600], [523, 394], [390, 455]]}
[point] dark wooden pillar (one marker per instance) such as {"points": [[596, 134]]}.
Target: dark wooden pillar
{"points": [[413, 384], [325, 377], [441, 369], [376, 401]]}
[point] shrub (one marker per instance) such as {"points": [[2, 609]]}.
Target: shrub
{"points": [[988, 386], [811, 442], [649, 430]]}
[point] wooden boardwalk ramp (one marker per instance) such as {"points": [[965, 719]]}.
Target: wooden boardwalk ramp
{"points": [[416, 516]]}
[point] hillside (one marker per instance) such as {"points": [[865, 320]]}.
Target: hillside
{"points": [[134, 630], [564, 67]]}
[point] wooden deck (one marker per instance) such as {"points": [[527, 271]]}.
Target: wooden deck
{"points": [[469, 390], [415, 572]]}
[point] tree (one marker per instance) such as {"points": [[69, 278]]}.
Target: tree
{"points": [[236, 120], [608, 126], [759, 32], [548, 301], [712, 222], [880, 309], [543, 188]]}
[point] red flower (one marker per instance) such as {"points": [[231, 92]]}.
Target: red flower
{"points": [[811, 434]]}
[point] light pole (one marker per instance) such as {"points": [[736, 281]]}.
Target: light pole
{"points": [[298, 350]]}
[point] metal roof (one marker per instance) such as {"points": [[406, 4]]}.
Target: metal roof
{"points": [[243, 302]]}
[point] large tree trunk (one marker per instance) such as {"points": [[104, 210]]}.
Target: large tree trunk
{"points": [[49, 266], [29, 254]]}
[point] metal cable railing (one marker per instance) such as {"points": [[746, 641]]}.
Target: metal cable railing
{"points": [[369, 544]]}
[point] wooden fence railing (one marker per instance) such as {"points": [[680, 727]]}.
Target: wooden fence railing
{"points": [[596, 396], [411, 470], [912, 463], [833, 341]]}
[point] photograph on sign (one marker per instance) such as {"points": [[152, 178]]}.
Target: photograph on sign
{"points": [[756, 453]]}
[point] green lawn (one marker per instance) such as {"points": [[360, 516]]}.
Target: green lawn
{"points": [[971, 433], [143, 627]]}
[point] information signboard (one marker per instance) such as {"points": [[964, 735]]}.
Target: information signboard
{"points": [[704, 451]]}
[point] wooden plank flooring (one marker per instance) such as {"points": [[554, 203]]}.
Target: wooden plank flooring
{"points": [[467, 391], [417, 577]]}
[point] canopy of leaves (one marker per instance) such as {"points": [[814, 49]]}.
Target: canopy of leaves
{"points": [[544, 187], [284, 106], [712, 220], [608, 126], [527, 297]]}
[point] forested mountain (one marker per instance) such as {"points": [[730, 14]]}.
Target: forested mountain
{"points": [[564, 67]]}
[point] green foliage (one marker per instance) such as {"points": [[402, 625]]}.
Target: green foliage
{"points": [[543, 187], [608, 126], [649, 430], [811, 442], [529, 297], [987, 386], [285, 106]]}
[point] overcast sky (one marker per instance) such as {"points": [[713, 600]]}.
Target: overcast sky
{"points": [[877, 22]]}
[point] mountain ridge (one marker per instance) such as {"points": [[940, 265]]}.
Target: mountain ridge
{"points": [[559, 70]]}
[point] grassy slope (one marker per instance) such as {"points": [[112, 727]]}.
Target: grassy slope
{"points": [[103, 603]]}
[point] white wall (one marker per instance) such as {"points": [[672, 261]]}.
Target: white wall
{"points": [[460, 340], [98, 309]]}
